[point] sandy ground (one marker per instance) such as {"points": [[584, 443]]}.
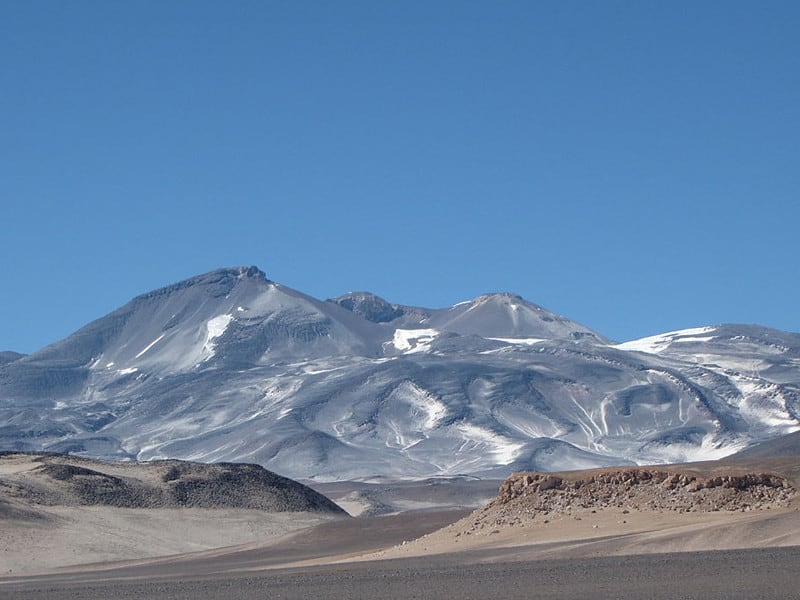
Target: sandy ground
{"points": [[362, 499], [611, 532], [194, 538], [768, 573], [78, 535]]}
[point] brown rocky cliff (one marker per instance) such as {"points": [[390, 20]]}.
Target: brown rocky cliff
{"points": [[645, 488]]}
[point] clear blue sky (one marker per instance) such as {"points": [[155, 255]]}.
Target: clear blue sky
{"points": [[634, 165]]}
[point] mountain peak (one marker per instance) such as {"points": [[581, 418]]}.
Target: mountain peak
{"points": [[369, 306], [251, 272], [502, 297], [230, 274], [224, 279], [8, 356], [508, 315]]}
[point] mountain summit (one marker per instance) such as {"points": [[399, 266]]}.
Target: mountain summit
{"points": [[509, 316], [369, 306], [231, 366]]}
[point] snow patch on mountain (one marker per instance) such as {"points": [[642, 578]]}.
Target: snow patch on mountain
{"points": [[215, 328], [150, 345], [709, 448], [410, 341], [522, 341], [763, 401], [502, 449], [658, 343], [426, 410]]}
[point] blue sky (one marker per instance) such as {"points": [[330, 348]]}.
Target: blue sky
{"points": [[634, 166]]}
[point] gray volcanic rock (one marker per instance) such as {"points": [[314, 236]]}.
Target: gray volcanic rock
{"points": [[377, 310], [230, 366], [369, 306]]}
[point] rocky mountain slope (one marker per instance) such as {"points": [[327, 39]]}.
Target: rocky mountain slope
{"points": [[785, 445], [230, 366]]}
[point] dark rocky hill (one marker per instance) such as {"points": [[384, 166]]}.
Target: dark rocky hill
{"points": [[62, 480]]}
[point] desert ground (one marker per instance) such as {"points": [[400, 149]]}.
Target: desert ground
{"points": [[689, 531]]}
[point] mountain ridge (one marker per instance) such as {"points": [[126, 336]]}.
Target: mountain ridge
{"points": [[231, 366]]}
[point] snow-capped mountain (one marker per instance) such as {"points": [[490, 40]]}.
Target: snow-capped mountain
{"points": [[231, 366], [489, 315]]}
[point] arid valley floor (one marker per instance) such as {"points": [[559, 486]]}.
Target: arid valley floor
{"points": [[706, 530]]}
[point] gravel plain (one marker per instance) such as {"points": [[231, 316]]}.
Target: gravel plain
{"points": [[737, 574]]}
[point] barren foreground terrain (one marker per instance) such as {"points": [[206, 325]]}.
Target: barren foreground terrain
{"points": [[706, 530], [702, 506], [58, 511]]}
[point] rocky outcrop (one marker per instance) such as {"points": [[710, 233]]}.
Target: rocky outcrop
{"points": [[645, 489], [369, 306]]}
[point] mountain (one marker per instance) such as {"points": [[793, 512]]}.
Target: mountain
{"points": [[371, 307], [786, 445], [508, 316], [226, 318], [9, 356], [230, 366], [490, 315]]}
